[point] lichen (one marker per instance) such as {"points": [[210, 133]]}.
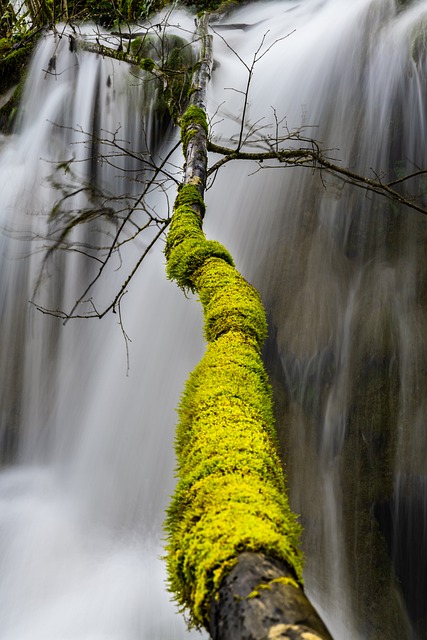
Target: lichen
{"points": [[231, 495]]}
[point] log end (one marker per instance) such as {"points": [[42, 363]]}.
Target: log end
{"points": [[261, 600]]}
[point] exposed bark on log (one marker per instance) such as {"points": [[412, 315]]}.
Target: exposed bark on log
{"points": [[202, 74], [260, 600], [196, 154]]}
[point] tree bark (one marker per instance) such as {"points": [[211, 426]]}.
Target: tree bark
{"points": [[196, 154], [260, 600]]}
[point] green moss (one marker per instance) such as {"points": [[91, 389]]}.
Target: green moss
{"points": [[107, 14], [174, 58], [228, 5], [12, 71], [230, 303], [213, 5], [13, 63], [147, 64], [193, 118], [185, 224], [4, 45], [231, 496], [186, 246], [189, 256], [189, 194]]}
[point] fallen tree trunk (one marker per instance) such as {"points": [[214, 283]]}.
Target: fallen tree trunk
{"points": [[233, 556]]}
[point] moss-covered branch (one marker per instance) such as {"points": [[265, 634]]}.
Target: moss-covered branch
{"points": [[194, 127], [231, 496], [147, 64]]}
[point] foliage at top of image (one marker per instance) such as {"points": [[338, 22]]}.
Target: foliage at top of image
{"points": [[211, 5], [106, 14], [13, 60], [20, 25], [18, 36]]}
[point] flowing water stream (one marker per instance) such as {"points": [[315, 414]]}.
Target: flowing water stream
{"points": [[88, 461]]}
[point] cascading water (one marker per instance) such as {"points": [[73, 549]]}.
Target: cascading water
{"points": [[91, 449], [88, 450], [342, 274]]}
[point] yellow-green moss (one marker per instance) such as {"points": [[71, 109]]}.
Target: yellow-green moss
{"points": [[189, 256], [231, 495], [230, 303], [186, 247], [189, 194], [189, 121], [147, 64]]}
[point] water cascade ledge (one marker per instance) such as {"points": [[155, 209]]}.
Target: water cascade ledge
{"points": [[230, 528]]}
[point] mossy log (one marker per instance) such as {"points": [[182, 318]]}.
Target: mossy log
{"points": [[147, 64], [233, 552]]}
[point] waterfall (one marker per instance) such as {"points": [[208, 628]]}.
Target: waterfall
{"points": [[87, 464], [87, 448], [342, 275]]}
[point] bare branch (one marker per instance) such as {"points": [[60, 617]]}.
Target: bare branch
{"points": [[315, 159]]}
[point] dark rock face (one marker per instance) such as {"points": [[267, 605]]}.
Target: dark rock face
{"points": [[260, 600]]}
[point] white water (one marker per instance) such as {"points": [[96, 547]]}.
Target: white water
{"points": [[82, 508], [342, 276]]}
